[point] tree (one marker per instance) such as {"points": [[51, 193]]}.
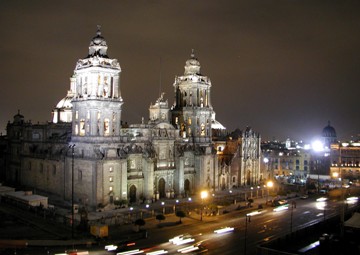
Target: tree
{"points": [[160, 217], [180, 214], [140, 222]]}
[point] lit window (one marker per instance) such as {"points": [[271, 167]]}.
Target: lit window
{"points": [[106, 127], [111, 179], [76, 129], [82, 127], [110, 188], [202, 130], [76, 115], [132, 164], [110, 169]]}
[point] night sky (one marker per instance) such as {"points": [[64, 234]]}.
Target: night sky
{"points": [[285, 68]]}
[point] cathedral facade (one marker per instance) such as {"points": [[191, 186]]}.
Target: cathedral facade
{"points": [[87, 152]]}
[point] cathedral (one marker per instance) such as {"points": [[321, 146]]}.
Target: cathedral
{"points": [[87, 151]]}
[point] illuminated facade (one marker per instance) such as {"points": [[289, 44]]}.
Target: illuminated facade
{"points": [[88, 146], [288, 162], [239, 159], [345, 161]]}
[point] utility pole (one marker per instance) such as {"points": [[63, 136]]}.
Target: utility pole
{"points": [[247, 219], [72, 190]]}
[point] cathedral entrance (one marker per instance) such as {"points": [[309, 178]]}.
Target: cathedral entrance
{"points": [[223, 183], [132, 195], [162, 193], [187, 187]]}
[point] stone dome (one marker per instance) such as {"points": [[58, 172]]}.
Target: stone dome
{"points": [[192, 65], [329, 131], [98, 46], [18, 118], [65, 103]]}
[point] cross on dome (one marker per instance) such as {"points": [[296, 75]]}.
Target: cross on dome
{"points": [[192, 53], [98, 32]]}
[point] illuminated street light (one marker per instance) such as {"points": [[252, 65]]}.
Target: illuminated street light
{"points": [[317, 146], [163, 204], [269, 185], [248, 219], [204, 194]]}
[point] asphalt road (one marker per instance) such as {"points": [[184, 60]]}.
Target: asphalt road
{"points": [[247, 235]]}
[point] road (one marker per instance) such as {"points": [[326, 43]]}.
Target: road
{"points": [[247, 234], [263, 227]]}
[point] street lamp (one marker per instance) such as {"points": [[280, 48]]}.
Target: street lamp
{"points": [[176, 203], [203, 195], [247, 219], [293, 205], [72, 189], [269, 185], [163, 204]]}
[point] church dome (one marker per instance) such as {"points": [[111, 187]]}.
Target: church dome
{"points": [[98, 46], [329, 131], [18, 118], [192, 65], [65, 103]]}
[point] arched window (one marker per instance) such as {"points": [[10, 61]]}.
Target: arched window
{"points": [[82, 127], [202, 133], [106, 127]]}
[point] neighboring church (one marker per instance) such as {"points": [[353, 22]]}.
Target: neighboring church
{"points": [[179, 151]]}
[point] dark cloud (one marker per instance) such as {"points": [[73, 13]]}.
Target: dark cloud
{"points": [[283, 67]]}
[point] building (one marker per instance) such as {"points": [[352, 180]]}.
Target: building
{"points": [[345, 161], [286, 161], [86, 151], [239, 159]]}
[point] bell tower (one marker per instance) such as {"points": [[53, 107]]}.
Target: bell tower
{"points": [[97, 101], [192, 110]]}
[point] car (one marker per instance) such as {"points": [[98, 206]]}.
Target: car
{"points": [[304, 197], [76, 252], [182, 239], [224, 230], [321, 199], [279, 202]]}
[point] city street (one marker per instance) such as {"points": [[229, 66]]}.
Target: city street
{"points": [[248, 232]]}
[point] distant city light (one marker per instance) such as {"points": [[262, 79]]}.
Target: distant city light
{"points": [[307, 147]]}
